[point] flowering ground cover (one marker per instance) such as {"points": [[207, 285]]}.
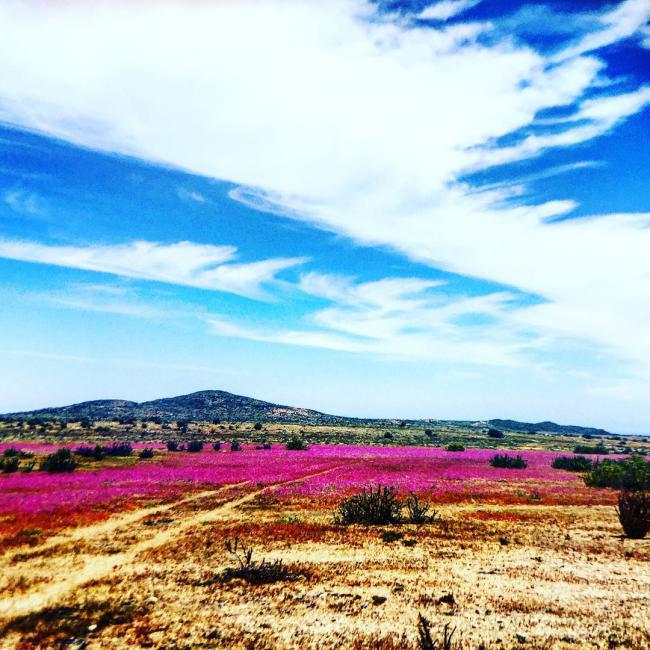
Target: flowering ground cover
{"points": [[97, 490]]}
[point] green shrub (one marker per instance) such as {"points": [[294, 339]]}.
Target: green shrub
{"points": [[86, 451], [194, 446], [509, 462], [591, 449], [172, 445], [147, 452], [378, 507], [216, 446], [119, 449], [235, 445], [257, 426], [572, 463], [10, 452], [296, 444], [495, 433], [455, 446], [634, 513], [629, 474], [60, 461]]}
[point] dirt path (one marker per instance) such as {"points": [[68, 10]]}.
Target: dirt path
{"points": [[98, 566], [111, 525]]}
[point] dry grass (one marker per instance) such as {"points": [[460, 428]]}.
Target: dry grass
{"points": [[504, 576]]}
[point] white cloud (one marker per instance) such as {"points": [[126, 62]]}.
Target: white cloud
{"points": [[185, 263], [402, 318], [446, 9], [190, 195], [362, 127]]}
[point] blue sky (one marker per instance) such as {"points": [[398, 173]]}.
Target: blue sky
{"points": [[376, 209]]}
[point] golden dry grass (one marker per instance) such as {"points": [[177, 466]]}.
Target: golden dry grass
{"points": [[504, 576]]}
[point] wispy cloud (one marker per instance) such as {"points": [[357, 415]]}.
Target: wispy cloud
{"points": [[23, 202], [446, 9], [401, 318], [185, 263]]}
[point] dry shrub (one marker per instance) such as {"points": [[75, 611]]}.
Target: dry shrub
{"points": [[634, 513]]}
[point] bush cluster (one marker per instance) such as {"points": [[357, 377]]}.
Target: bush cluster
{"points": [[591, 449], [382, 507], [509, 462], [296, 444], [250, 570], [455, 446], [495, 433], [61, 460], [628, 474], [572, 463]]}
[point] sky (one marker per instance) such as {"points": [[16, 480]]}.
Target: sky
{"points": [[379, 209]]}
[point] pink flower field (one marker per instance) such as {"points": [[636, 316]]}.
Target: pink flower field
{"points": [[321, 474]]}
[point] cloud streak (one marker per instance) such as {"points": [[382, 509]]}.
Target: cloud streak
{"points": [[201, 266]]}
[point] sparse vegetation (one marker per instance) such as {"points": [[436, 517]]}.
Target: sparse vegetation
{"points": [[251, 571]]}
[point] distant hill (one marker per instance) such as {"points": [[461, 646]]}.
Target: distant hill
{"points": [[208, 405], [546, 427], [205, 405]]}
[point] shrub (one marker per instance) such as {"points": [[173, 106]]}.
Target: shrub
{"points": [[257, 426], [172, 445], [25, 454], [10, 464], [495, 433], [419, 512], [147, 452], [194, 446], [251, 571], [296, 444], [119, 449], [216, 446], [455, 446], [634, 513], [591, 449], [86, 451], [372, 507], [428, 432], [388, 435], [509, 462], [60, 461], [427, 642], [10, 451], [629, 473], [572, 463], [235, 445]]}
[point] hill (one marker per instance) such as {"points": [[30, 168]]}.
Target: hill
{"points": [[208, 405]]}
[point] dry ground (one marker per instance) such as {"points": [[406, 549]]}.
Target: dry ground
{"points": [[503, 576]]}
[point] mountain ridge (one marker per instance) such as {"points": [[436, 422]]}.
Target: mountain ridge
{"points": [[208, 405]]}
